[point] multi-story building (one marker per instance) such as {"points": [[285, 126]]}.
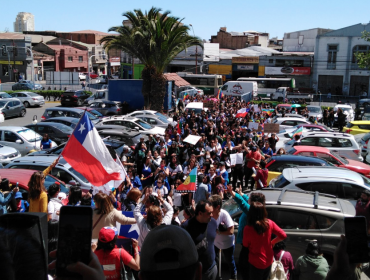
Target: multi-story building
{"points": [[302, 41], [335, 66], [24, 22]]}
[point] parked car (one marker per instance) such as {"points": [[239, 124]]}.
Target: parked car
{"points": [[68, 121], [28, 85], [277, 163], [133, 124], [289, 122], [62, 170], [315, 112], [92, 111], [341, 182], [21, 138], [73, 98], [12, 107], [357, 127], [347, 110], [7, 154], [57, 132], [82, 76], [289, 115], [303, 216], [363, 142], [148, 112], [5, 95], [29, 98], [102, 79], [342, 143], [308, 126], [92, 75], [130, 138], [22, 177], [53, 112], [106, 108], [154, 120], [332, 157]]}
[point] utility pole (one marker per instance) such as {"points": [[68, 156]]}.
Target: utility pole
{"points": [[196, 53]]}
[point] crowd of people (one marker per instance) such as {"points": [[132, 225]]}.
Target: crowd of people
{"points": [[188, 248]]}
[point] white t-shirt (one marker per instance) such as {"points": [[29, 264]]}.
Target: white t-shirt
{"points": [[54, 205], [164, 190], [177, 199], [224, 241]]}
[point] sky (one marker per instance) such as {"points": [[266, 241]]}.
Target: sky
{"points": [[206, 16]]}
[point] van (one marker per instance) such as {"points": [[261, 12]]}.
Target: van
{"points": [[238, 88], [197, 107]]}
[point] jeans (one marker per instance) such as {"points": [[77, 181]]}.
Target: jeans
{"points": [[259, 274], [229, 257], [248, 175], [237, 173]]}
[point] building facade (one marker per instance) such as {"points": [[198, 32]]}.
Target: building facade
{"points": [[24, 22], [302, 41], [335, 67]]}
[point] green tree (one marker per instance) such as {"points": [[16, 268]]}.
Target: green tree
{"points": [[363, 58], [155, 38]]}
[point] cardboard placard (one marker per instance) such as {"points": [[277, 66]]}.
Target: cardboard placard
{"points": [[192, 139], [253, 126], [271, 128]]}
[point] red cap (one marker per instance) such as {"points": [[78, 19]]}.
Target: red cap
{"points": [[107, 234]]}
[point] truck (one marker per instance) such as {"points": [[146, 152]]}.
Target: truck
{"points": [[283, 93], [238, 88], [129, 92]]}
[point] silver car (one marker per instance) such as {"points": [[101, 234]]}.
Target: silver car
{"points": [[12, 107], [7, 154], [154, 120], [29, 98], [21, 138], [315, 112]]}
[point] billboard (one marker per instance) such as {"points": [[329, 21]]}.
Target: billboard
{"points": [[287, 70]]}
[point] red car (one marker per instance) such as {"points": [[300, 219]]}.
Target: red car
{"points": [[331, 157], [22, 176], [315, 127], [92, 75]]}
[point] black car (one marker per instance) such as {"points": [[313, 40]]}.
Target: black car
{"points": [[73, 98], [68, 121], [278, 163], [130, 138], [57, 132]]}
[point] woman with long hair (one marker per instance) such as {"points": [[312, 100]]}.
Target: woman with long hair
{"points": [[112, 257], [257, 238], [129, 203], [37, 193], [45, 142], [75, 195], [105, 215]]}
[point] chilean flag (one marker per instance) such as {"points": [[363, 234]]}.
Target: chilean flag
{"points": [[86, 152], [242, 113]]}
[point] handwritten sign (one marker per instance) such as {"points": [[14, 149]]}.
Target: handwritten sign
{"points": [[271, 128]]}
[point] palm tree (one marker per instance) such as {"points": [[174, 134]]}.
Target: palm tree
{"points": [[155, 39]]}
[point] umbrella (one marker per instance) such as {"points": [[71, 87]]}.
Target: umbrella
{"points": [[296, 106]]}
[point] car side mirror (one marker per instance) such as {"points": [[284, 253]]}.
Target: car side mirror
{"points": [[18, 141]]}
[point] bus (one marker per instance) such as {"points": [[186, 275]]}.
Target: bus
{"points": [[266, 86], [209, 83]]}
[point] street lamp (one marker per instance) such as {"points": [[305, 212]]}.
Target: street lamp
{"points": [[196, 53]]}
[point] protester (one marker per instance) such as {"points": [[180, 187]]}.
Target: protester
{"points": [[252, 158], [363, 207], [46, 142], [105, 215], [37, 193], [285, 258], [201, 192], [261, 176], [312, 265], [21, 205], [74, 196], [112, 258], [129, 203], [6, 196], [54, 204]]}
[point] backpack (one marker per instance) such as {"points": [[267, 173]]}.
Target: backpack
{"points": [[277, 269]]}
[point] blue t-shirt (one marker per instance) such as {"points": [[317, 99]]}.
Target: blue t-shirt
{"points": [[268, 151], [46, 144]]}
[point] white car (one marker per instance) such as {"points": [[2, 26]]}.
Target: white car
{"points": [[289, 122], [81, 76], [347, 110], [148, 112], [7, 154]]}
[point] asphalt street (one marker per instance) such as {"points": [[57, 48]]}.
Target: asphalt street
{"points": [[27, 119]]}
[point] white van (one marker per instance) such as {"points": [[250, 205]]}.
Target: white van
{"points": [[197, 107], [237, 88]]}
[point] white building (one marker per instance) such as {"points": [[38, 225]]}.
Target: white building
{"points": [[302, 41], [335, 68], [24, 22]]}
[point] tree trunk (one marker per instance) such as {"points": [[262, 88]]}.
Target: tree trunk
{"points": [[158, 91], [146, 75]]}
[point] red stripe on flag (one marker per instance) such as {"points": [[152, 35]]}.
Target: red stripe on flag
{"points": [[83, 162]]}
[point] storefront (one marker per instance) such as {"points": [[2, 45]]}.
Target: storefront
{"points": [[244, 67], [115, 63], [302, 75]]}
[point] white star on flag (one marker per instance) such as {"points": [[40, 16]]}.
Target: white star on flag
{"points": [[134, 227], [82, 128]]}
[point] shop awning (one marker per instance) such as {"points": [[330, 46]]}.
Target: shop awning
{"points": [[179, 82]]}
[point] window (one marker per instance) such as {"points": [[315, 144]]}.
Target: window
{"points": [[61, 175], [307, 154], [10, 136], [94, 105], [364, 126], [324, 222], [16, 103], [351, 191], [43, 129], [308, 141], [271, 61], [328, 158], [342, 142], [322, 187], [80, 59], [225, 87], [326, 142], [113, 123], [70, 58], [10, 104], [289, 123], [332, 56], [359, 49], [295, 220]]}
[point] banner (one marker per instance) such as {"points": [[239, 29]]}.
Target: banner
{"points": [[287, 70], [271, 128], [192, 139], [190, 184]]}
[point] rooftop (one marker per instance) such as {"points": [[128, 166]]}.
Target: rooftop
{"points": [[179, 82]]}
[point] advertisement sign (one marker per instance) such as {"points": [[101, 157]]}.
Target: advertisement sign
{"points": [[245, 67], [287, 70], [246, 59], [114, 59]]}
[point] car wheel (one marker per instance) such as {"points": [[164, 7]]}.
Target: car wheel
{"points": [[23, 113], [26, 104], [80, 102]]}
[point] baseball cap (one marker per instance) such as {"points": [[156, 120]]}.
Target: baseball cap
{"points": [[166, 248], [18, 195], [107, 234], [254, 149]]}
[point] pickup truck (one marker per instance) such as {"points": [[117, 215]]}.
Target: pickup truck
{"points": [[282, 93]]}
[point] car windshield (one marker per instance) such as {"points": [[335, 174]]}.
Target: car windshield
{"points": [[32, 94], [2, 104], [160, 115], [291, 151], [79, 175], [339, 157], [231, 206], [29, 135], [49, 180], [144, 124], [280, 182], [314, 109], [5, 95], [64, 128], [164, 120], [91, 116], [96, 113]]}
